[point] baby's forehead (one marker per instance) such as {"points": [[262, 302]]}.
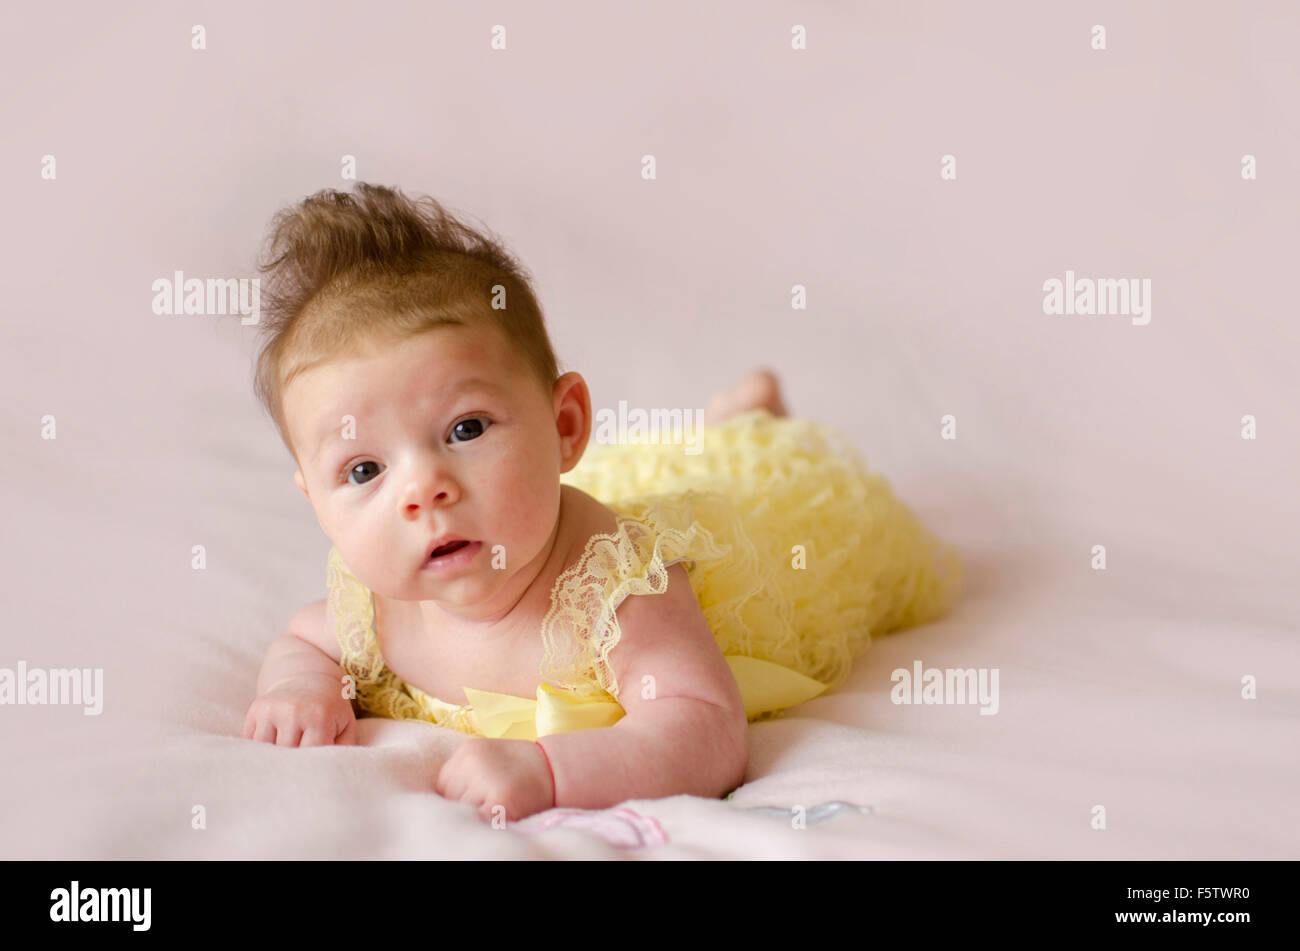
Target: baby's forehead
{"points": [[441, 362], [445, 352]]}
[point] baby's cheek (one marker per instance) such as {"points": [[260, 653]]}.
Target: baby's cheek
{"points": [[370, 546], [518, 519], [529, 501]]}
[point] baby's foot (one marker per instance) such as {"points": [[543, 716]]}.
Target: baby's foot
{"points": [[760, 388]]}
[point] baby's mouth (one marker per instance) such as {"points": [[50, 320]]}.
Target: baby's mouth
{"points": [[447, 549], [451, 554]]}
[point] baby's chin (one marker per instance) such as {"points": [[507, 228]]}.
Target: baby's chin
{"points": [[382, 585], [459, 593]]}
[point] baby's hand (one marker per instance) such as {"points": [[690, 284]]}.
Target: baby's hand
{"points": [[491, 772], [302, 713]]}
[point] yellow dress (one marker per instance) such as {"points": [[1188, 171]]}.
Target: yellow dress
{"points": [[796, 553]]}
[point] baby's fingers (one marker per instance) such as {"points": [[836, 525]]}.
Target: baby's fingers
{"points": [[327, 732], [317, 736], [349, 735], [288, 735], [449, 784], [252, 720], [264, 730]]}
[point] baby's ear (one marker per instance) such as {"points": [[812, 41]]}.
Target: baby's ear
{"points": [[297, 478]]}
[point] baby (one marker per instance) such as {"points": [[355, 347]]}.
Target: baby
{"points": [[408, 370], [462, 429]]}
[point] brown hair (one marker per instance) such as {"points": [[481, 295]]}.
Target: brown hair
{"points": [[376, 265]]}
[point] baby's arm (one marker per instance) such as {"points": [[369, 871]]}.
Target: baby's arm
{"points": [[692, 737], [300, 699]]}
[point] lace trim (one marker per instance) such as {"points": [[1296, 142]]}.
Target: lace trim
{"points": [[581, 628]]}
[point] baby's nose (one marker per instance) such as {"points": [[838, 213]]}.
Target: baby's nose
{"points": [[431, 487], [413, 507]]}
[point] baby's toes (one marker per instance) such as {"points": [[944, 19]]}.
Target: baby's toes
{"points": [[761, 388]]}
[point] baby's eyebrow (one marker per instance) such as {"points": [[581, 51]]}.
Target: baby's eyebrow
{"points": [[332, 431]]}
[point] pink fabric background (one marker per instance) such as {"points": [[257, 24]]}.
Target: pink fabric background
{"points": [[775, 168]]}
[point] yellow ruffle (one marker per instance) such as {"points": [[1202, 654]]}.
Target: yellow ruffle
{"points": [[822, 556]]}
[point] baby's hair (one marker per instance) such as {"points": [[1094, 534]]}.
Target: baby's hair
{"points": [[376, 266]]}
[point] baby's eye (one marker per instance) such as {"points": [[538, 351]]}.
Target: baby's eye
{"points": [[469, 429], [362, 465]]}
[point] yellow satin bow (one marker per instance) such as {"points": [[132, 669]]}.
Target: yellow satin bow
{"points": [[763, 686]]}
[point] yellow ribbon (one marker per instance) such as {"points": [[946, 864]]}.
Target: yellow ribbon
{"points": [[763, 686]]}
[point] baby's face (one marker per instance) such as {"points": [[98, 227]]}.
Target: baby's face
{"points": [[453, 436]]}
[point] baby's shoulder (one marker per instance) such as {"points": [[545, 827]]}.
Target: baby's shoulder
{"points": [[592, 607]]}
